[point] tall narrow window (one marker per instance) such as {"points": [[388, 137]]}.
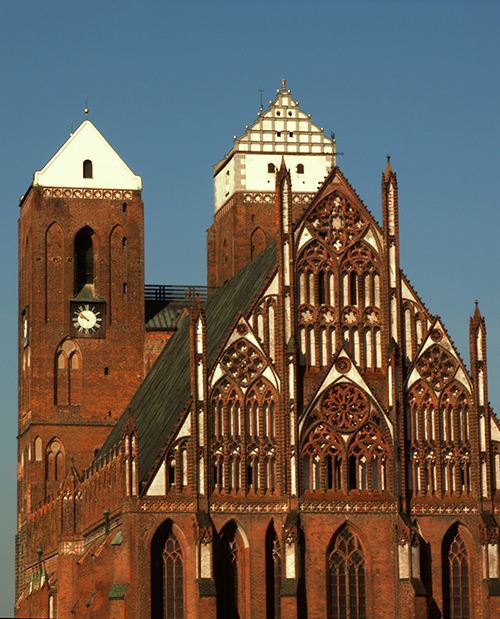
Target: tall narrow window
{"points": [[273, 574], [456, 602], [84, 259], [173, 580], [87, 169], [55, 461], [167, 574], [347, 595], [227, 573]]}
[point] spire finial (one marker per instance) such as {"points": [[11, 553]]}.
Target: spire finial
{"points": [[86, 106], [388, 169], [283, 84]]}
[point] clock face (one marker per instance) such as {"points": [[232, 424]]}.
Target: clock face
{"points": [[87, 319]]}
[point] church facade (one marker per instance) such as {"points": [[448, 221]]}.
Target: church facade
{"points": [[298, 439]]}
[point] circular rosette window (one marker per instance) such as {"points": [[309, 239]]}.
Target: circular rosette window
{"points": [[345, 407], [350, 315], [372, 316], [327, 315], [306, 314]]}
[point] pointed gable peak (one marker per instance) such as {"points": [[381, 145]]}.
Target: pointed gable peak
{"points": [[477, 313], [87, 160]]}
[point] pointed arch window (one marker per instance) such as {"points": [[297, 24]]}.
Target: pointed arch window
{"points": [[167, 574], [322, 459], [173, 581], [347, 578], [68, 374], [368, 460], [273, 574], [456, 576], [228, 573], [55, 461]]}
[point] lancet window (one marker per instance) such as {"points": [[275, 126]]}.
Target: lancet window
{"points": [[316, 313], [368, 459], [177, 462], [347, 578], [56, 468], [273, 574], [229, 573], [68, 375], [456, 576], [244, 437], [322, 459], [265, 324], [167, 574], [84, 258]]}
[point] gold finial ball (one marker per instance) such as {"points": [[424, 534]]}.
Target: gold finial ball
{"points": [[246, 126], [277, 89], [234, 137], [86, 110]]}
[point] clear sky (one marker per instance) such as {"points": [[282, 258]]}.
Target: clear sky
{"points": [[171, 83]]}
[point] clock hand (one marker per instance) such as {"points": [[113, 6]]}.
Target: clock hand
{"points": [[81, 314]]}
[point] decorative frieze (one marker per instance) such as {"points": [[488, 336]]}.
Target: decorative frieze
{"points": [[349, 506], [443, 509], [248, 508], [168, 506], [93, 194]]}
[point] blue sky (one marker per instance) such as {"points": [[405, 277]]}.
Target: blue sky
{"points": [[171, 83]]}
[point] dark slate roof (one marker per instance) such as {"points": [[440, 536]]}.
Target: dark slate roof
{"points": [[161, 399], [165, 318]]}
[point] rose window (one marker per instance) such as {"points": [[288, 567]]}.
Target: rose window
{"points": [[345, 407], [243, 362], [437, 367], [337, 222]]}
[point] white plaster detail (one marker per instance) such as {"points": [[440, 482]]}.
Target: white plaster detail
{"points": [[199, 336], [206, 560], [370, 238], [200, 389], [392, 265], [493, 560], [65, 169], [495, 430], [158, 486], [390, 209], [390, 383], [185, 429], [218, 373], [272, 289], [305, 236], [290, 560], [286, 260], [201, 475], [404, 562], [293, 475]]}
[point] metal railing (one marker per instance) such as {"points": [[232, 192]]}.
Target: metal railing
{"points": [[177, 293]]}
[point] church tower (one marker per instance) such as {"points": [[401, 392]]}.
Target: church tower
{"points": [[244, 183], [81, 309]]}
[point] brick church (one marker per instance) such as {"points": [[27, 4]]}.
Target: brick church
{"points": [[299, 438]]}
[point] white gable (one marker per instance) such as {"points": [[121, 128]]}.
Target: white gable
{"points": [[65, 169], [283, 130]]}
